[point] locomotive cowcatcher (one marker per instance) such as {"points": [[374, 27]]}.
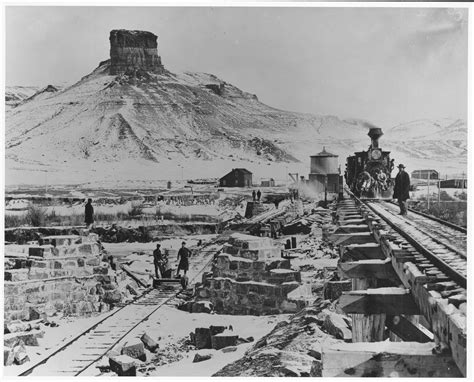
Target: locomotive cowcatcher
{"points": [[368, 173]]}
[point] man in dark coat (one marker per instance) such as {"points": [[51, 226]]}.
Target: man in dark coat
{"points": [[160, 261], [401, 189], [89, 214], [183, 255], [254, 195], [259, 194]]}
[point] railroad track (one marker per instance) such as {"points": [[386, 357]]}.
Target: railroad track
{"points": [[431, 238], [441, 231], [428, 263], [86, 349]]}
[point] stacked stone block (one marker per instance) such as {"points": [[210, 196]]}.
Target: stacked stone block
{"points": [[239, 268], [249, 277], [68, 277]]}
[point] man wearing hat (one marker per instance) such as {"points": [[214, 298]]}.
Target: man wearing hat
{"points": [[402, 188], [160, 260], [183, 255]]}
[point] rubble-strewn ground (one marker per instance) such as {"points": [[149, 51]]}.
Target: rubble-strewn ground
{"points": [[171, 328], [293, 347], [276, 344], [66, 329]]}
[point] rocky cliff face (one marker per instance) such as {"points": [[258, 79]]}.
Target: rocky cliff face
{"points": [[132, 51]]}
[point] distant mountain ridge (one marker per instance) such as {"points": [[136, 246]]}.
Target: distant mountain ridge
{"points": [[138, 122], [14, 95], [152, 116], [171, 117]]}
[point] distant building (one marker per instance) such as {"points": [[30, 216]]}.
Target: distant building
{"points": [[268, 183], [238, 177], [453, 183], [425, 174]]}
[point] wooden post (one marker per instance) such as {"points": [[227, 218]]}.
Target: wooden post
{"points": [[428, 194], [412, 319], [407, 328], [367, 327]]}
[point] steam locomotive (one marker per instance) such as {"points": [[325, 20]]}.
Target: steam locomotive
{"points": [[368, 173]]}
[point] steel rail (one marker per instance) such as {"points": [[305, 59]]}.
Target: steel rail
{"points": [[143, 319], [70, 342], [141, 297], [439, 241], [441, 264], [439, 220], [84, 368]]}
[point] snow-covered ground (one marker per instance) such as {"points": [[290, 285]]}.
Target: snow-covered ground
{"points": [[172, 325], [54, 337], [143, 251], [19, 207], [169, 326], [132, 174]]}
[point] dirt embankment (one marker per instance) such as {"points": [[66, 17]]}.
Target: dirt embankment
{"points": [[113, 234]]}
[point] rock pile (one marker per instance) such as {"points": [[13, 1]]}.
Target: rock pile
{"points": [[25, 235], [15, 355], [304, 225], [130, 355], [17, 335], [294, 347], [213, 337]]}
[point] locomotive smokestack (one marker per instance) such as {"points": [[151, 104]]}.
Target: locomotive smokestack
{"points": [[375, 133]]}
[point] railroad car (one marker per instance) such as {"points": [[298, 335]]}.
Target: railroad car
{"points": [[368, 173]]}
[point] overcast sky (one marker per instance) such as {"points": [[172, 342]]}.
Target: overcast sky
{"points": [[385, 65]]}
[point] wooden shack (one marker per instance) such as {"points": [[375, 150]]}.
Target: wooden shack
{"points": [[238, 177]]}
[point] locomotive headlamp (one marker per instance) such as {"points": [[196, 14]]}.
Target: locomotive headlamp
{"points": [[376, 154]]}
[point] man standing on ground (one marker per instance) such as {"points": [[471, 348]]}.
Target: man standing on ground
{"points": [[159, 261], [259, 194], [401, 189], [183, 255], [89, 214], [254, 195]]}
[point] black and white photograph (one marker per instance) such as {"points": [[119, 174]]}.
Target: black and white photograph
{"points": [[236, 190]]}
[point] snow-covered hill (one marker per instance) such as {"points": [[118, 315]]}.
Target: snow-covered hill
{"points": [[438, 144], [14, 95], [422, 129], [109, 128]]}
